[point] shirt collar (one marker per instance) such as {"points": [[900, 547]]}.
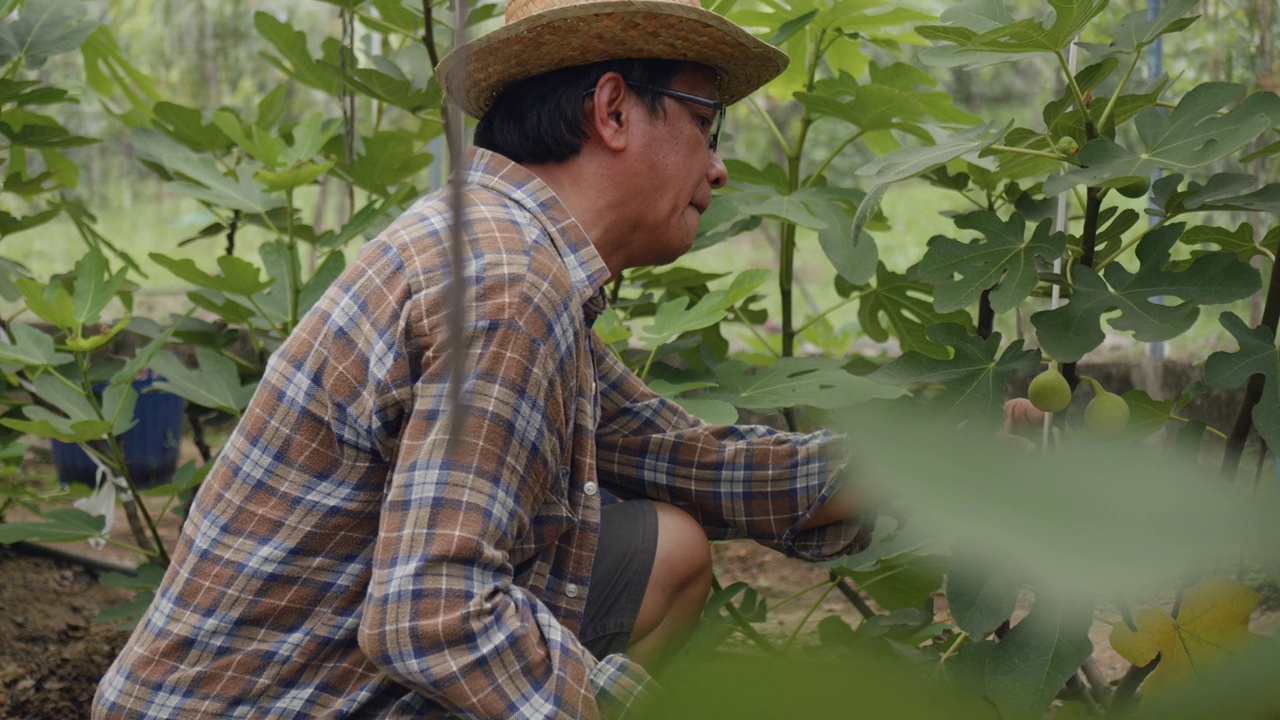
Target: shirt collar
{"points": [[587, 271]]}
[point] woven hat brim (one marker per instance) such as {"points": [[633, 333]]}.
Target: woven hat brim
{"points": [[474, 74]]}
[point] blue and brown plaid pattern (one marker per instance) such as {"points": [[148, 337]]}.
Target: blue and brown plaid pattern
{"points": [[347, 557]]}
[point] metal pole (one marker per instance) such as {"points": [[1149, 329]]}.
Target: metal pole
{"points": [[1155, 67]]}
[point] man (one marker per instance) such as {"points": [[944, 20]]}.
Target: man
{"points": [[350, 556]]}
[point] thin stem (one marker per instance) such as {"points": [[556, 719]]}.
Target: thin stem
{"points": [[878, 578], [129, 547], [787, 242], [786, 269], [1254, 386], [1126, 696], [832, 156], [429, 34], [119, 465], [751, 328], [295, 269], [648, 362], [850, 593], [795, 595], [847, 301], [1035, 153], [970, 199], [955, 646], [773, 127], [1075, 89], [1214, 431], [814, 608], [1115, 96]]}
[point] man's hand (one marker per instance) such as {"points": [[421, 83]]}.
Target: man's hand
{"points": [[1021, 419]]}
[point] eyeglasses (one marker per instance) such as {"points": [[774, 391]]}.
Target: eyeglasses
{"points": [[715, 122]]}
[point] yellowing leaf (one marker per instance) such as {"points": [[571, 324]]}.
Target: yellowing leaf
{"points": [[1213, 622]]}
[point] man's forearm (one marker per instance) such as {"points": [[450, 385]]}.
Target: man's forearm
{"points": [[842, 505]]}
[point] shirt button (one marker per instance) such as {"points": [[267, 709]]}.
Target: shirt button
{"points": [[571, 590], [589, 488]]}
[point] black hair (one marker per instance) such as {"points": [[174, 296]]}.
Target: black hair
{"points": [[544, 118]]}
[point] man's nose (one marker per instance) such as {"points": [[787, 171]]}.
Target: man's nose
{"points": [[717, 173]]}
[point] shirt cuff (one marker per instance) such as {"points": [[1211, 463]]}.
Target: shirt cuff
{"points": [[620, 685], [829, 541]]}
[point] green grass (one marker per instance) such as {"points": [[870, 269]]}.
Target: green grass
{"points": [[159, 224]]}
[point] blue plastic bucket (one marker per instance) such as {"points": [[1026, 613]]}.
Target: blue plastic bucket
{"points": [[150, 447]]}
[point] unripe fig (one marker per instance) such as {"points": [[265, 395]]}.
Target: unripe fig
{"points": [[1107, 414], [1068, 145], [1050, 391]]}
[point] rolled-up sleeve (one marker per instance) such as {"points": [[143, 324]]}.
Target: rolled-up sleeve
{"points": [[737, 480]]}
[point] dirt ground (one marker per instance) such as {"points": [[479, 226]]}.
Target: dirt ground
{"points": [[52, 654]]}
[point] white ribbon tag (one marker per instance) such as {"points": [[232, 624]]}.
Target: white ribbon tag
{"points": [[101, 502]]}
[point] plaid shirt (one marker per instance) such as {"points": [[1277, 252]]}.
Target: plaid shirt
{"points": [[347, 556]]}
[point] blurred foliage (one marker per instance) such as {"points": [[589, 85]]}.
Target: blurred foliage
{"points": [[245, 112]]}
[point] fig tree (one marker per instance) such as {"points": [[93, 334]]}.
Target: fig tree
{"points": [[1107, 414], [1050, 391]]}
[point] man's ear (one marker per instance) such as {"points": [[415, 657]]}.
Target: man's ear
{"points": [[608, 116]]}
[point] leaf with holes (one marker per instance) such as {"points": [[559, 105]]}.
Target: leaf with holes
{"points": [[815, 382]]}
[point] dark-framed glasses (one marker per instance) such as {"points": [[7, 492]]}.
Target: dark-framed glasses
{"points": [[716, 121], [716, 107]]}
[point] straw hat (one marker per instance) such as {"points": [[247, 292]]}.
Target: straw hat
{"points": [[544, 35]]}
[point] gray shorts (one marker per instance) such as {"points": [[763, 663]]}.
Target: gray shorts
{"points": [[619, 575]]}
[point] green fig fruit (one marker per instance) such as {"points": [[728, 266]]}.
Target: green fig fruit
{"points": [[1107, 414], [1050, 391]]}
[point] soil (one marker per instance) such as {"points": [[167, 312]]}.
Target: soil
{"points": [[52, 653]]}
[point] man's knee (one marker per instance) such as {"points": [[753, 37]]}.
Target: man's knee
{"points": [[678, 587], [682, 559]]}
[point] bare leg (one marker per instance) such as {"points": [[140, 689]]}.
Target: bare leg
{"points": [[678, 587]]}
